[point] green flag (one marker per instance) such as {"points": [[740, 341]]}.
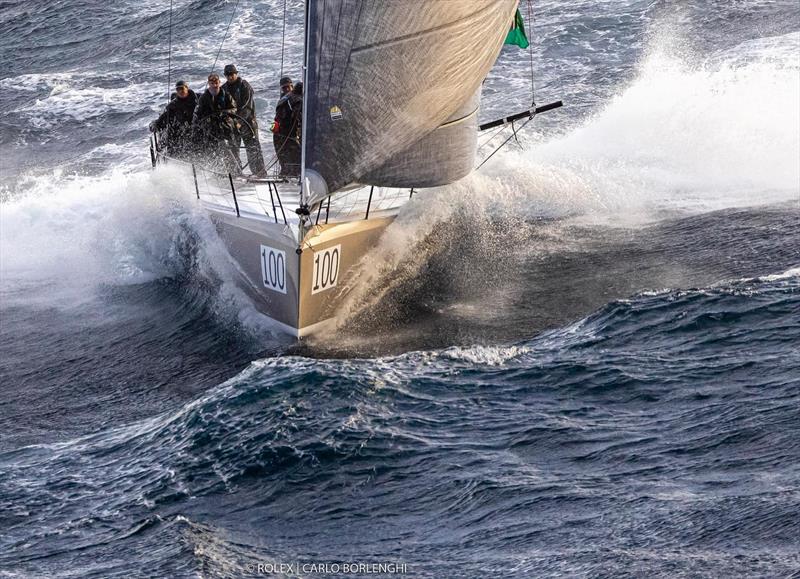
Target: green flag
{"points": [[517, 33]]}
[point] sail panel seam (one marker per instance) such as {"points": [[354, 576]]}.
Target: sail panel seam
{"points": [[349, 54], [422, 33], [335, 49], [457, 121]]}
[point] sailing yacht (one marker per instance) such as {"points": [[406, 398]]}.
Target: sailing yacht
{"points": [[391, 99]]}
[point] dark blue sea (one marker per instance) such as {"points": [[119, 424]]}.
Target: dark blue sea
{"points": [[582, 361]]}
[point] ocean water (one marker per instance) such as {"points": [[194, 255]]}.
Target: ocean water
{"points": [[582, 361]]}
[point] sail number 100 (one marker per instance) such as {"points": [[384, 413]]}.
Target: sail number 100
{"points": [[273, 268], [326, 268]]}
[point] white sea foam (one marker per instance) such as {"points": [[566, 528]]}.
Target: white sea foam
{"points": [[683, 137], [67, 96], [485, 355], [76, 226], [788, 274], [73, 234], [76, 233]]}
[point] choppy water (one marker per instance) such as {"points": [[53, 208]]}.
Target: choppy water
{"points": [[581, 362]]}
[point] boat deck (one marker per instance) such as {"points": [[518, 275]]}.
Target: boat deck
{"points": [[274, 199]]}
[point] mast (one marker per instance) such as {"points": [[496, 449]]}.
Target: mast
{"points": [[304, 124]]}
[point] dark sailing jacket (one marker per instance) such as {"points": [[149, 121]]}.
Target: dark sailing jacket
{"points": [[289, 116], [242, 93], [287, 133], [212, 115], [178, 112], [177, 119]]}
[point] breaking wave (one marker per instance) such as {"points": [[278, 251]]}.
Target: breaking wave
{"points": [[681, 138]]}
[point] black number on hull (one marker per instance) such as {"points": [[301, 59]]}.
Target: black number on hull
{"points": [[281, 266], [326, 269], [334, 268], [273, 268]]}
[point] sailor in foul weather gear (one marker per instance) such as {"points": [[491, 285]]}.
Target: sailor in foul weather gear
{"points": [[174, 125], [213, 125], [286, 129], [246, 124]]}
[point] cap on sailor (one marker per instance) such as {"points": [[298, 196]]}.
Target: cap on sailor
{"points": [[181, 83], [229, 68], [285, 80]]}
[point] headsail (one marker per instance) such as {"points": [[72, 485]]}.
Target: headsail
{"points": [[391, 89]]}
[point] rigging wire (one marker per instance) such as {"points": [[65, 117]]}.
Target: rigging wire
{"points": [[283, 35], [503, 144], [169, 73], [530, 52], [489, 137], [169, 55], [225, 36], [514, 129]]}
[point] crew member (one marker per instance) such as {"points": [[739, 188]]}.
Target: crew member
{"points": [[175, 123], [246, 124], [286, 129], [213, 125]]}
